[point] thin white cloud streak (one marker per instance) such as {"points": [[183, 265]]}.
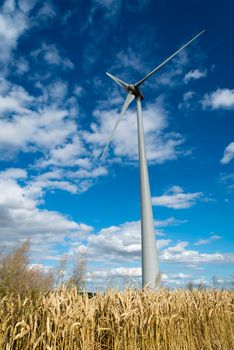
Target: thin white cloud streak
{"points": [[176, 198], [219, 99], [203, 241], [228, 154], [194, 74]]}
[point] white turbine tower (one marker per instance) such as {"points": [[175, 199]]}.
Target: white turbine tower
{"points": [[150, 260]]}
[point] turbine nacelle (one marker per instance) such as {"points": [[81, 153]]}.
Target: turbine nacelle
{"points": [[135, 91]]}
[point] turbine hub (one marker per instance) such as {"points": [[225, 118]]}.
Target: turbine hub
{"points": [[133, 90]]}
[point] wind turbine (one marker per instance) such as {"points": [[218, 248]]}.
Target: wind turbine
{"points": [[150, 261]]}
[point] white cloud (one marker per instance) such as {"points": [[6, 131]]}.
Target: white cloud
{"points": [[46, 124], [180, 254], [219, 99], [129, 59], [169, 222], [36, 123], [20, 217], [78, 90], [208, 240], [194, 74], [187, 101], [64, 179], [121, 243], [122, 277], [53, 56], [21, 66], [134, 272], [176, 198], [46, 12], [228, 153], [161, 145], [172, 76], [65, 155], [14, 21], [228, 180], [114, 246], [13, 173], [43, 130], [188, 96]]}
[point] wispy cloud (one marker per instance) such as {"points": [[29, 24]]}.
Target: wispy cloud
{"points": [[53, 56], [195, 74], [228, 180], [188, 101], [228, 153], [176, 198], [208, 240]]}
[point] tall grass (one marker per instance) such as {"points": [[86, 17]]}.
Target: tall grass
{"points": [[133, 320]]}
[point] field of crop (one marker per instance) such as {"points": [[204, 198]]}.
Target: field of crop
{"points": [[165, 320]]}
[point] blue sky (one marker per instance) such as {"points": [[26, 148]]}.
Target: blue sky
{"points": [[58, 108]]}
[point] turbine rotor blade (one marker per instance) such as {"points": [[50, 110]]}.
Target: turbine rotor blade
{"points": [[118, 81], [168, 59], [127, 102]]}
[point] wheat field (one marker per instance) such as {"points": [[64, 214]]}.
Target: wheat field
{"points": [[133, 320]]}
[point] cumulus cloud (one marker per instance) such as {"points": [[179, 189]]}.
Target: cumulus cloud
{"points": [[44, 123], [219, 99], [228, 153], [113, 247], [194, 74], [122, 243], [118, 243], [161, 145], [134, 272], [13, 173], [176, 198], [180, 254], [130, 277], [21, 219]]}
